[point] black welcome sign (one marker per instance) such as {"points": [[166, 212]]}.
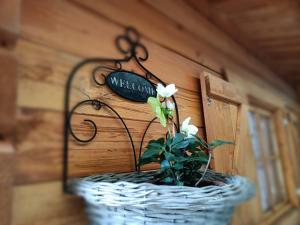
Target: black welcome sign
{"points": [[131, 86]]}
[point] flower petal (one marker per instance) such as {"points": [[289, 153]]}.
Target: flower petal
{"points": [[170, 90], [170, 105], [161, 90], [185, 124], [192, 129]]}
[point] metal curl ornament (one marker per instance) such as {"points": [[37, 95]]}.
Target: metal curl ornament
{"points": [[106, 69], [97, 106], [133, 50]]}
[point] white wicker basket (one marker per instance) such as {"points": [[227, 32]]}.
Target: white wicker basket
{"points": [[131, 199]]}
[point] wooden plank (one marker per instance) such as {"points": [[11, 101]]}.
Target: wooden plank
{"points": [[204, 43], [8, 76], [9, 21], [100, 26], [33, 94], [6, 182], [245, 165], [292, 131], [286, 161], [40, 145], [225, 113], [291, 218], [45, 203], [8, 90], [223, 90], [222, 121], [247, 22], [170, 67], [45, 78]]}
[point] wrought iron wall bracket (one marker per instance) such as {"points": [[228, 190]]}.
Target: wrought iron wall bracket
{"points": [[133, 50]]}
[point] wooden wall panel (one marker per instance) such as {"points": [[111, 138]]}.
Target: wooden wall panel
{"points": [[40, 100], [6, 181], [104, 19], [8, 84], [200, 42], [45, 203], [247, 23], [40, 144], [9, 21], [8, 80], [55, 35]]}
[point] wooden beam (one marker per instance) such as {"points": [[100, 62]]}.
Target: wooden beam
{"points": [[9, 21], [8, 84], [8, 76], [6, 182], [286, 161]]}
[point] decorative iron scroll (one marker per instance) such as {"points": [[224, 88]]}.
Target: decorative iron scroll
{"points": [[129, 85]]}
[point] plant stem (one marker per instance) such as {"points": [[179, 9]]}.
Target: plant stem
{"points": [[206, 168]]}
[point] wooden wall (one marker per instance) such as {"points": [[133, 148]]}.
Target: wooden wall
{"points": [[55, 35]]}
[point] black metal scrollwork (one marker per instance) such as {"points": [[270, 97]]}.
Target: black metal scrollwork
{"points": [[129, 45]]}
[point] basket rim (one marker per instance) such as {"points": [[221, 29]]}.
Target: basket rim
{"points": [[228, 180], [234, 191]]}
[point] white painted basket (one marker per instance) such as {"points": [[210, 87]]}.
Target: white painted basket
{"points": [[131, 199]]}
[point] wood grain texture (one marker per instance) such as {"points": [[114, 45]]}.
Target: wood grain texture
{"points": [[42, 82], [179, 33], [269, 29], [225, 113], [223, 90], [286, 161], [40, 95], [8, 92], [6, 181], [40, 145], [222, 121], [9, 21], [105, 19], [55, 35], [45, 203]]}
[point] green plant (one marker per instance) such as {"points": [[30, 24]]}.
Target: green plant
{"points": [[181, 155], [180, 158]]}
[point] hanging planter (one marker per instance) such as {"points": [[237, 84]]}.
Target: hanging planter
{"points": [[131, 199], [183, 190]]}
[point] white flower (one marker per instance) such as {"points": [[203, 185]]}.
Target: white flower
{"points": [[167, 91], [188, 129], [168, 104]]}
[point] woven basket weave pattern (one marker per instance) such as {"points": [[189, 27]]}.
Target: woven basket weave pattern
{"points": [[126, 199]]}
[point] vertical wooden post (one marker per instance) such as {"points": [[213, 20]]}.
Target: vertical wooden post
{"points": [[6, 182], [8, 76], [286, 161], [9, 21], [9, 32]]}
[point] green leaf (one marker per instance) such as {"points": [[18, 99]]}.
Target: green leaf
{"points": [[168, 112], [169, 156], [165, 164], [217, 143], [153, 102], [182, 144], [151, 153], [161, 141], [179, 165], [179, 137], [157, 109], [144, 161], [169, 140], [162, 118], [201, 142], [154, 145]]}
